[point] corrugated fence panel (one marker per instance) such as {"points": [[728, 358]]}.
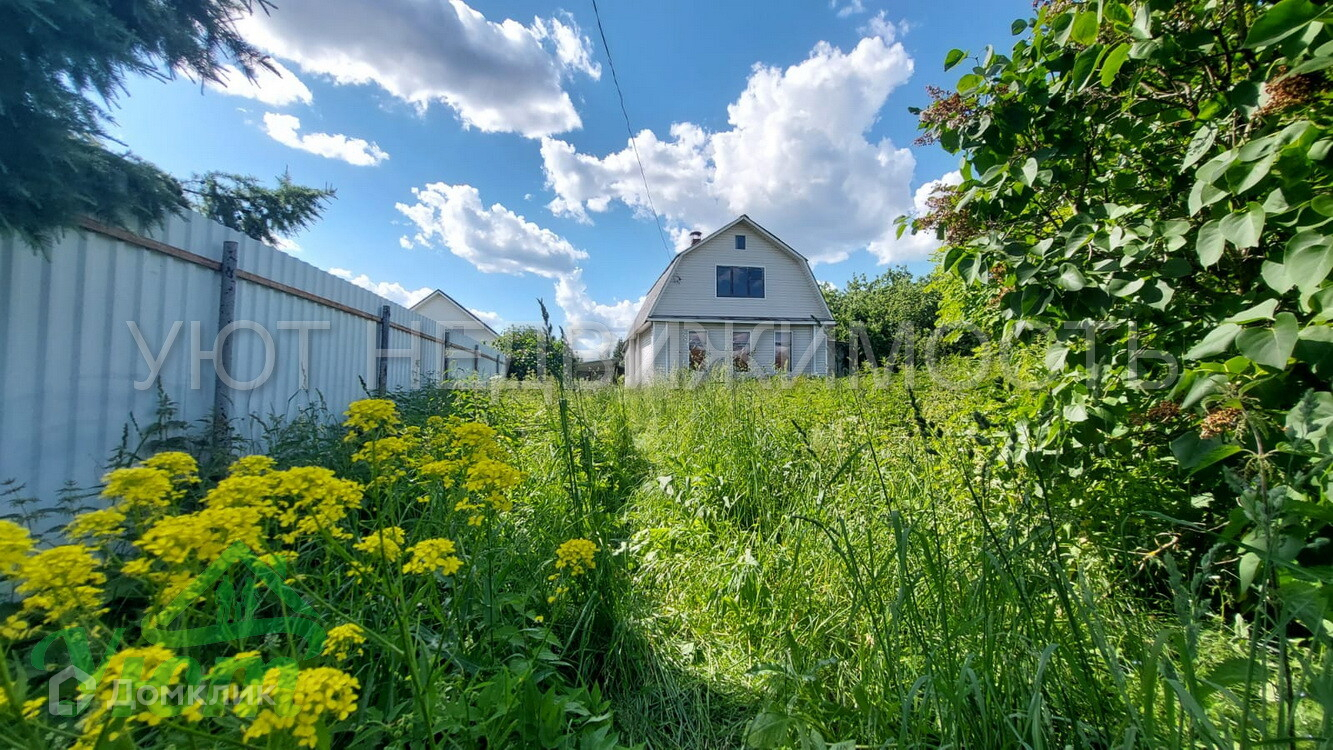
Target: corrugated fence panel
{"points": [[84, 327]]}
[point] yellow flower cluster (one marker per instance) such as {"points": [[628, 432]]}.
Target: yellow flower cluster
{"points": [[433, 555], [99, 526], [15, 543], [141, 489], [383, 544], [203, 536], [302, 700], [340, 641], [576, 556], [181, 468], [153, 665], [369, 415], [251, 466], [491, 479], [64, 582]]}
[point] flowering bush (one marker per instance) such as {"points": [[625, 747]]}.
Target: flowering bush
{"points": [[278, 604]]}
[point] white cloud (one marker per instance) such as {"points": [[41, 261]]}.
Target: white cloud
{"points": [[796, 159], [492, 319], [276, 88], [494, 239], [879, 25], [497, 240], [849, 8], [358, 151], [497, 76], [919, 244], [390, 290]]}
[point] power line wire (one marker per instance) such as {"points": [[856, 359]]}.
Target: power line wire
{"points": [[648, 192]]}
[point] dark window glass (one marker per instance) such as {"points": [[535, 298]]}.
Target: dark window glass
{"points": [[740, 351], [698, 350], [740, 242], [782, 351], [740, 281]]}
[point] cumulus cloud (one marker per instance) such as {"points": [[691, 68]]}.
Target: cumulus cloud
{"points": [[277, 88], [920, 244], [285, 130], [497, 76], [796, 158], [390, 290], [494, 239], [849, 8]]}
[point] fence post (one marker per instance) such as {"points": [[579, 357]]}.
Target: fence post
{"points": [[222, 358], [381, 355], [447, 347], [476, 359]]}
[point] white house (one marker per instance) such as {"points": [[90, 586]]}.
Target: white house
{"points": [[452, 316], [739, 298]]}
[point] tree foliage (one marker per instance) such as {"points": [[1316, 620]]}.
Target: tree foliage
{"points": [[64, 64], [893, 309], [242, 203], [532, 353], [1149, 183]]}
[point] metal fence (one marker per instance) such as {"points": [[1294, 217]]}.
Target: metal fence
{"points": [[96, 328]]}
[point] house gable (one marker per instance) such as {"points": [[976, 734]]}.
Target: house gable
{"points": [[441, 307], [688, 287]]}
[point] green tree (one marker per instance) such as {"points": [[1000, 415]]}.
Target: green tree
{"points": [[63, 65], [240, 202], [1150, 183], [886, 313], [532, 353]]}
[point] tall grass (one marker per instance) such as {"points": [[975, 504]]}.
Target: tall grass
{"points": [[816, 564]]}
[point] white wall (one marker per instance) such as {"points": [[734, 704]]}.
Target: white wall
{"points": [[788, 291], [453, 317], [69, 360]]}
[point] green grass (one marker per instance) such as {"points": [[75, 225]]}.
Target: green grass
{"points": [[795, 566]]}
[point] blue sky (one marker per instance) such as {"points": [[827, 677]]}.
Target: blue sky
{"points": [[479, 147]]}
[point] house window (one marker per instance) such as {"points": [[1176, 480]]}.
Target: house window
{"points": [[782, 351], [740, 351], [740, 242], [698, 350], [740, 281]]}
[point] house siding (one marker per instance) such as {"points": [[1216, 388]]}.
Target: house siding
{"points": [[692, 289]]}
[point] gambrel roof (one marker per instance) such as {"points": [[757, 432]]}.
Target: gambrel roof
{"points": [[655, 293]]}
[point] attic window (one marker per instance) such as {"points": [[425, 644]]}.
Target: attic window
{"points": [[740, 281], [740, 242]]}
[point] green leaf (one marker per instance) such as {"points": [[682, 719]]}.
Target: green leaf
{"points": [[1314, 347], [1263, 311], [969, 82], [1199, 145], [1029, 171], [1275, 276], [1210, 244], [1281, 21], [954, 57], [1115, 59], [1084, 65], [1243, 228], [1071, 279], [1308, 259], [1085, 28], [1018, 27], [1194, 453], [1216, 342], [1271, 347]]}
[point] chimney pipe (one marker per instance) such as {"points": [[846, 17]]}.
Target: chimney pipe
{"points": [[695, 236]]}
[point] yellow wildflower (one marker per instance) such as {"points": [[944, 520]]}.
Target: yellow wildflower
{"points": [[251, 466], [181, 467], [341, 640], [14, 628], [433, 555], [576, 555], [132, 667], [33, 707], [315, 499], [490, 476], [368, 415], [203, 536], [64, 582], [385, 544], [15, 544], [98, 525], [383, 451], [141, 488], [302, 700]]}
